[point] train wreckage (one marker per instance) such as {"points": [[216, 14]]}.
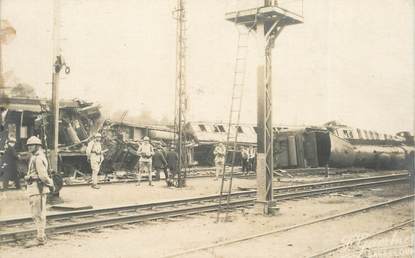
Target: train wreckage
{"points": [[78, 122], [332, 144]]}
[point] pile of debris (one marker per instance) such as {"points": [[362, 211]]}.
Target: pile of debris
{"points": [[23, 117]]}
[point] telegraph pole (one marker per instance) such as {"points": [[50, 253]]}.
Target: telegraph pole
{"points": [[58, 64], [181, 95]]}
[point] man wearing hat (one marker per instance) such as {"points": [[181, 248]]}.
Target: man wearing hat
{"points": [[146, 152], [95, 156], [172, 159], [219, 152], [159, 163], [38, 181], [9, 165]]}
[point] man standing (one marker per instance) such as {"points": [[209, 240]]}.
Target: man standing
{"points": [[165, 169], [219, 153], [37, 179], [172, 160], [146, 152], [159, 163], [251, 158], [244, 157], [95, 157], [10, 158]]}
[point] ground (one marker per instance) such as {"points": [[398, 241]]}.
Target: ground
{"points": [[158, 239]]}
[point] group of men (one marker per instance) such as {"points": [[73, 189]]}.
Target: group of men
{"points": [[159, 159], [248, 156], [39, 182], [149, 157], [248, 159]]}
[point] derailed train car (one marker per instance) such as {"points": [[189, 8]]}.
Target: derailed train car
{"points": [[340, 146], [22, 117], [25, 117]]}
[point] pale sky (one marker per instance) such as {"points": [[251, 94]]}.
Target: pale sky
{"points": [[351, 60]]}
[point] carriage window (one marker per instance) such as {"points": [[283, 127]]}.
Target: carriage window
{"points": [[221, 128], [345, 133], [202, 128], [256, 129], [359, 133], [216, 129], [239, 128], [348, 133]]}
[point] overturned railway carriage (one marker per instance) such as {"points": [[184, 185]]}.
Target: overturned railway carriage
{"points": [[340, 146]]}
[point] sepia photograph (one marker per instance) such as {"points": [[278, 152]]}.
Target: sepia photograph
{"points": [[211, 129]]}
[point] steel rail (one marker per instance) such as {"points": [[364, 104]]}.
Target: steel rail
{"points": [[295, 188], [333, 249], [351, 180], [285, 229], [245, 199], [126, 219], [206, 173], [125, 208], [200, 173], [307, 193]]}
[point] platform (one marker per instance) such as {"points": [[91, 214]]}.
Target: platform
{"points": [[247, 16]]}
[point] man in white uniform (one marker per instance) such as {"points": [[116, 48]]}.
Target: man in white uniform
{"points": [[146, 152], [38, 182], [219, 153], [95, 157]]}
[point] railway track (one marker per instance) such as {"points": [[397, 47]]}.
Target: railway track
{"points": [[201, 174], [208, 172], [16, 229], [304, 224], [360, 240]]}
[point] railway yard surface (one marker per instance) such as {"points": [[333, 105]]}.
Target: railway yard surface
{"points": [[302, 227]]}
